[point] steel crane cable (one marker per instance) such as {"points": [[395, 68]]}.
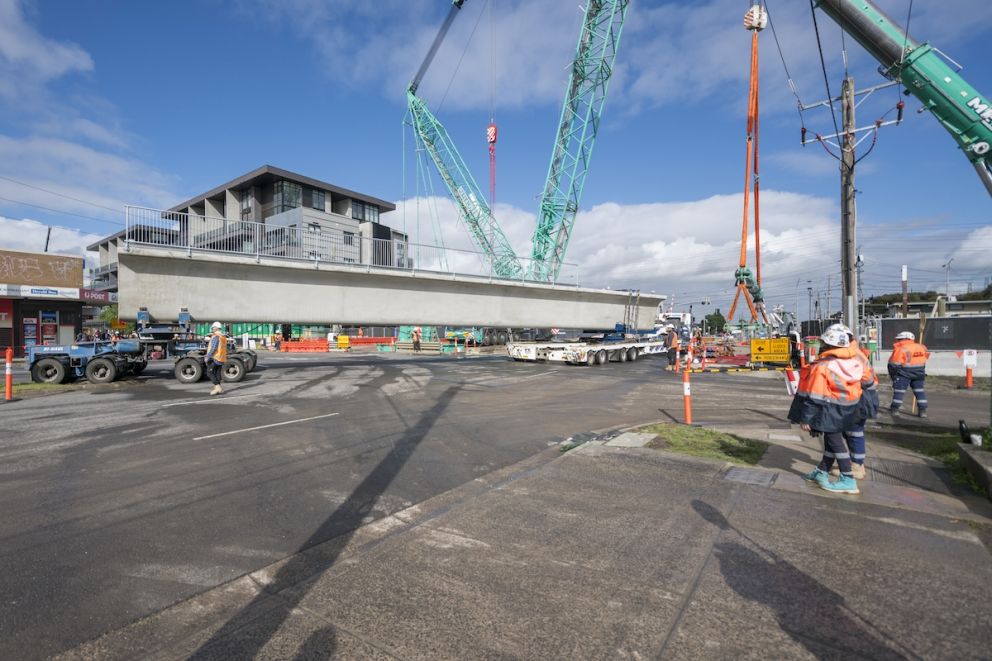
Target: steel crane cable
{"points": [[460, 58], [823, 66]]}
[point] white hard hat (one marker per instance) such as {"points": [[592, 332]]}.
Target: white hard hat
{"points": [[216, 325], [835, 338], [905, 335], [842, 328]]}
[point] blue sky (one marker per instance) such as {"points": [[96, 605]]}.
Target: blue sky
{"points": [[150, 103]]}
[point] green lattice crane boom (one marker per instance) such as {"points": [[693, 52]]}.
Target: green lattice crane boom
{"points": [[485, 231], [482, 226], [966, 114], [576, 137]]}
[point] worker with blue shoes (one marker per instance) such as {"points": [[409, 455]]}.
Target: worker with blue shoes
{"points": [[828, 403], [855, 437]]}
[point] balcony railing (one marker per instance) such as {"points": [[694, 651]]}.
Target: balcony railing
{"points": [[305, 243]]}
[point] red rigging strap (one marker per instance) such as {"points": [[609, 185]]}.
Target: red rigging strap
{"points": [[491, 133]]}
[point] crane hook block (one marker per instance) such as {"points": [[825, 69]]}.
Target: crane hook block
{"points": [[756, 18]]}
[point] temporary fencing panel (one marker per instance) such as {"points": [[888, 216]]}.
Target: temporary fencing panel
{"points": [[940, 333]]}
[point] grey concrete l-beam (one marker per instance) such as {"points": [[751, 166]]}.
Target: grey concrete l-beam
{"points": [[233, 288]]}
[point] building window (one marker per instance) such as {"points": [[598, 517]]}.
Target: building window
{"points": [[362, 211], [318, 199], [314, 227], [286, 195], [349, 238], [246, 204]]}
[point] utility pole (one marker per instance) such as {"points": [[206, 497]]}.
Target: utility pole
{"points": [[947, 278], [848, 211], [830, 290], [905, 291]]}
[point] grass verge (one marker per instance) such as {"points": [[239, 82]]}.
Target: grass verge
{"points": [[705, 443], [26, 388]]}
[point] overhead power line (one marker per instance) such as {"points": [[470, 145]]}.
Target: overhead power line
{"points": [[51, 192], [64, 213]]}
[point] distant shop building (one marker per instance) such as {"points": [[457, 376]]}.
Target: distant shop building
{"points": [[41, 299]]}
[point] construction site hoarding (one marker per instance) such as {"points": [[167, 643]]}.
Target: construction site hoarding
{"points": [[32, 268]]}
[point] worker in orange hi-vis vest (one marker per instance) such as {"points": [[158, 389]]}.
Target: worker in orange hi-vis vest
{"points": [[855, 436], [908, 368], [828, 403], [673, 343]]}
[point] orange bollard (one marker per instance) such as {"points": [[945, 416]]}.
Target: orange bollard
{"points": [[9, 384], [968, 380], [686, 396]]}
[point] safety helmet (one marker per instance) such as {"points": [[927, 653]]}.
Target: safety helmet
{"points": [[905, 335], [835, 338], [842, 328], [216, 325]]}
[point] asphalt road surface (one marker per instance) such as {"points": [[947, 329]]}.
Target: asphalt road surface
{"points": [[120, 500]]}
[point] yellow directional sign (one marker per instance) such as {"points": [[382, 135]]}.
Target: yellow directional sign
{"points": [[770, 351]]}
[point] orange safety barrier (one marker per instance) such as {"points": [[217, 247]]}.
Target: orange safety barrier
{"points": [[304, 346]]}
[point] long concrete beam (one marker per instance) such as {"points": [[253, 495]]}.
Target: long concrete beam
{"points": [[234, 288]]}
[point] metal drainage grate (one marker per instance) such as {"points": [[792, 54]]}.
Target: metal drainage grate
{"points": [[750, 476]]}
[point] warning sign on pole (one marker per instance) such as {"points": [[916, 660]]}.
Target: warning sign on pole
{"points": [[970, 357]]}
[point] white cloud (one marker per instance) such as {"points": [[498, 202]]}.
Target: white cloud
{"points": [[71, 144], [29, 235], [975, 252], [37, 58], [683, 246]]}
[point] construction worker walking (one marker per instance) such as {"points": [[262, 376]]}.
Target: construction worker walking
{"points": [[827, 403], [908, 368], [673, 343], [216, 356], [855, 437]]}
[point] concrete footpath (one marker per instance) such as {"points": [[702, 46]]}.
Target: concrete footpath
{"points": [[613, 552]]}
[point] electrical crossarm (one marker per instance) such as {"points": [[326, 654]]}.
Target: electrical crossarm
{"points": [[966, 114], [580, 117], [482, 227]]}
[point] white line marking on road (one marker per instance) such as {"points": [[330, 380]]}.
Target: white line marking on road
{"points": [[209, 401], [276, 424]]}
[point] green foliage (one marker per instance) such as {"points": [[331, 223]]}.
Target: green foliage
{"points": [[706, 443], [715, 322], [108, 314]]}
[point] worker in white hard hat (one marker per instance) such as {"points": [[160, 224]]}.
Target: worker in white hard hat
{"points": [[827, 403], [908, 368], [216, 356], [855, 436]]}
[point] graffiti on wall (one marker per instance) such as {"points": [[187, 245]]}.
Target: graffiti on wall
{"points": [[24, 268]]}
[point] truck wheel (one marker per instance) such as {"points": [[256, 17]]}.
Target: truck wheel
{"points": [[101, 370], [501, 338], [188, 370], [601, 357], [590, 358], [631, 354], [622, 355], [249, 359], [233, 370], [48, 370], [138, 367]]}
